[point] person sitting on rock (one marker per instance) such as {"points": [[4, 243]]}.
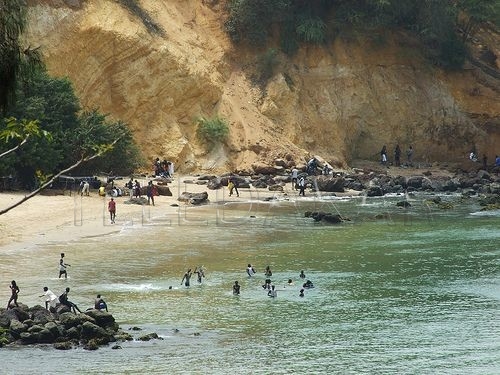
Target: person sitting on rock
{"points": [[99, 303], [63, 298]]}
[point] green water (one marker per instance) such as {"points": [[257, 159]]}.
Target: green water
{"points": [[414, 291]]}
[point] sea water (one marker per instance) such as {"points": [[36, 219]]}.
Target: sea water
{"points": [[397, 291]]}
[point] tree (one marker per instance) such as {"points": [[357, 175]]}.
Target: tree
{"points": [[16, 60], [477, 12]]}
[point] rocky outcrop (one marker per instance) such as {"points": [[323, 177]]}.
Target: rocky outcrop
{"points": [[36, 325], [343, 100]]}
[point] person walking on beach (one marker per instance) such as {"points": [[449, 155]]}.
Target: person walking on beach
{"points": [[397, 156], [150, 192], [62, 267], [51, 299], [383, 155], [63, 298], [234, 180], [409, 155], [14, 289], [302, 186], [187, 277], [112, 210], [236, 289], [295, 174], [137, 189]]}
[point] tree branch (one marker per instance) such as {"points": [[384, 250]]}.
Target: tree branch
{"points": [[14, 148]]}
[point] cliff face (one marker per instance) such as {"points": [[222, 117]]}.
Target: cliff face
{"points": [[342, 101]]}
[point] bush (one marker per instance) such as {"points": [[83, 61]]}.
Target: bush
{"points": [[266, 64], [213, 130], [311, 30]]}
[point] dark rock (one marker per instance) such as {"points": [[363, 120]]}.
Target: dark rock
{"points": [[55, 329], [206, 177], [45, 337], [194, 198], [404, 204], [116, 347], [330, 184], [149, 336], [163, 190], [215, 184], [40, 315], [275, 188], [63, 345], [374, 191], [415, 182], [102, 318], [27, 338], [91, 345], [259, 184], [16, 328], [92, 331], [260, 168]]}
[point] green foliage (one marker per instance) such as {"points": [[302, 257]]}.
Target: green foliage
{"points": [[212, 130], [16, 61], [72, 137], [433, 21], [311, 30], [95, 134], [266, 64]]}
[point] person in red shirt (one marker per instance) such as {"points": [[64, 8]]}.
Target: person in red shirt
{"points": [[112, 210]]}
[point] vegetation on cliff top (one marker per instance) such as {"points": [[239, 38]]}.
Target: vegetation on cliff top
{"points": [[442, 26]]}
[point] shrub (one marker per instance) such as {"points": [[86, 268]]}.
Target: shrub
{"points": [[311, 30], [212, 130], [266, 64]]}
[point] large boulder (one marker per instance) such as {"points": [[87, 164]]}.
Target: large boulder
{"points": [[102, 318], [194, 198], [92, 331], [330, 184]]}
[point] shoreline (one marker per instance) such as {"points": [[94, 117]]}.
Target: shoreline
{"points": [[48, 218]]}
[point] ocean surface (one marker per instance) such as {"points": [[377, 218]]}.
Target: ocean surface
{"points": [[397, 291]]}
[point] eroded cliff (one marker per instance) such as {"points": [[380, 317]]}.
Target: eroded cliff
{"points": [[342, 101]]}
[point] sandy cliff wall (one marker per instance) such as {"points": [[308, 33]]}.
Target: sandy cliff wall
{"points": [[342, 101]]}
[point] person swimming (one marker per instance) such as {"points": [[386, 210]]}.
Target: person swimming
{"points": [[308, 284]]}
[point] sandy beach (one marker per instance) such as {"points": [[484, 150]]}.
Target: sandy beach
{"points": [[48, 218], [51, 218]]}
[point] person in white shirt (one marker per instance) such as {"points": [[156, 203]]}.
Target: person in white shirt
{"points": [[51, 299]]}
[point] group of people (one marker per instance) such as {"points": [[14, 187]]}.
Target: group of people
{"points": [[51, 299], [268, 285], [163, 168], [473, 157], [397, 156], [186, 279]]}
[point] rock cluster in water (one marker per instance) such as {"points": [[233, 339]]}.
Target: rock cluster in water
{"points": [[63, 329]]}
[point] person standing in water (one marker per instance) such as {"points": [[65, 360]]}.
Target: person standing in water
{"points": [[236, 289], [14, 292], [272, 293], [187, 277], [250, 270], [199, 272], [62, 267], [302, 274]]}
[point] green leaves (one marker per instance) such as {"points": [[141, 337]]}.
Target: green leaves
{"points": [[213, 130]]}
